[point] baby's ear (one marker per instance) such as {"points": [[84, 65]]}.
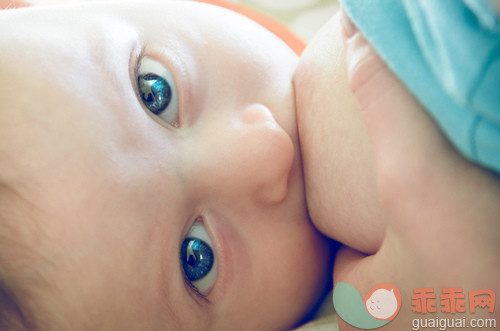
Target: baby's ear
{"points": [[10, 4]]}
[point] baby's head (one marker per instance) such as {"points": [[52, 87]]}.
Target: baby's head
{"points": [[150, 174]]}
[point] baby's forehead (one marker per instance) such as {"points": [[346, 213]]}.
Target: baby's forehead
{"points": [[152, 9]]}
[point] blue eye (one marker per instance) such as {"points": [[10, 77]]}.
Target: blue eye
{"points": [[155, 92], [199, 263], [197, 259], [158, 91]]}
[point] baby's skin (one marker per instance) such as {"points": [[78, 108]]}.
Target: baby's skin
{"points": [[150, 174]]}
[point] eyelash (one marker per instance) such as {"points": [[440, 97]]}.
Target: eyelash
{"points": [[137, 58], [194, 290]]}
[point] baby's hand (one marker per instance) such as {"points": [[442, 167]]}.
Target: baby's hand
{"points": [[443, 211]]}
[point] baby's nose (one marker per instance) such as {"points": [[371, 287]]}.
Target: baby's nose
{"points": [[252, 159], [267, 152]]}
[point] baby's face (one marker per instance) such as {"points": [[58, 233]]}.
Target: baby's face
{"points": [[155, 146]]}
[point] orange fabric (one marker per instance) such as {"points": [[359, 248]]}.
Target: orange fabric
{"points": [[280, 30], [11, 4]]}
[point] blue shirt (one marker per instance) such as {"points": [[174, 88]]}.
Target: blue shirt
{"points": [[447, 53]]}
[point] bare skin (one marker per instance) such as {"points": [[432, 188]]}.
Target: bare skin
{"points": [[99, 193], [363, 189], [440, 211], [338, 165]]}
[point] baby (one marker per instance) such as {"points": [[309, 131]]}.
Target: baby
{"points": [[152, 177], [150, 172]]}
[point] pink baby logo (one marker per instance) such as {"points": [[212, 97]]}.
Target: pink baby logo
{"points": [[380, 305]]}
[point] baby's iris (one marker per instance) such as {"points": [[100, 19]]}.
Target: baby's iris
{"points": [[155, 92], [197, 258]]}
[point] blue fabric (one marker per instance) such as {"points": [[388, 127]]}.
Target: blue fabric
{"points": [[447, 52]]}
